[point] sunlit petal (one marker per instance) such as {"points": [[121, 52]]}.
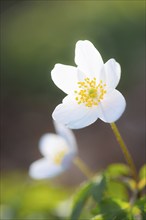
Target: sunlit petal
{"points": [[112, 107], [74, 115], [88, 59], [65, 77], [112, 73]]}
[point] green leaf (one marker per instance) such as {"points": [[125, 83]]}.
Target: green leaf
{"points": [[141, 204], [95, 189], [142, 177], [112, 209], [136, 213], [142, 172], [98, 190], [118, 169], [117, 190], [142, 184], [80, 199]]}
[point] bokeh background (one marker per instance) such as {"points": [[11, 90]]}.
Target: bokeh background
{"points": [[35, 35]]}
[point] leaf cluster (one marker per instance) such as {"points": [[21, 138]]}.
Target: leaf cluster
{"points": [[111, 195]]}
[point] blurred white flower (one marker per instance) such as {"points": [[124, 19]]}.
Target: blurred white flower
{"points": [[58, 150], [90, 87]]}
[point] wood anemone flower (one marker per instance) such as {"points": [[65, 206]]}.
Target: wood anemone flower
{"points": [[58, 152], [90, 89]]}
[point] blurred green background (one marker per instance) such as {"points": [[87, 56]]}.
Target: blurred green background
{"points": [[35, 35]]}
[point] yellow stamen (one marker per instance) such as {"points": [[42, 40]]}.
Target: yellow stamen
{"points": [[90, 93]]}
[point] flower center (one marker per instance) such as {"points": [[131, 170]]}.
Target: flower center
{"points": [[90, 93], [58, 157]]}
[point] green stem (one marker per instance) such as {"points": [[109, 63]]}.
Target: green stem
{"points": [[83, 167], [125, 151]]}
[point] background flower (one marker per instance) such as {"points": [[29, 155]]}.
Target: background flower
{"points": [[58, 150], [90, 87]]}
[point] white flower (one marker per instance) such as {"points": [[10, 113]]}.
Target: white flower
{"points": [[58, 150], [90, 89]]}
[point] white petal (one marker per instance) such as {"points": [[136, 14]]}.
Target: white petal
{"points": [[67, 134], [73, 115], [50, 144], [112, 107], [112, 73], [88, 58], [43, 168], [65, 77]]}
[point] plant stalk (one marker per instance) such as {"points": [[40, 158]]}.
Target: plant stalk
{"points": [[83, 167], [125, 151]]}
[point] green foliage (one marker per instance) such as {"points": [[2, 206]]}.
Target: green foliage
{"points": [[142, 172], [80, 199], [94, 189], [23, 198], [115, 170], [112, 209], [140, 205], [112, 195], [107, 196], [98, 188], [142, 178], [98, 217]]}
